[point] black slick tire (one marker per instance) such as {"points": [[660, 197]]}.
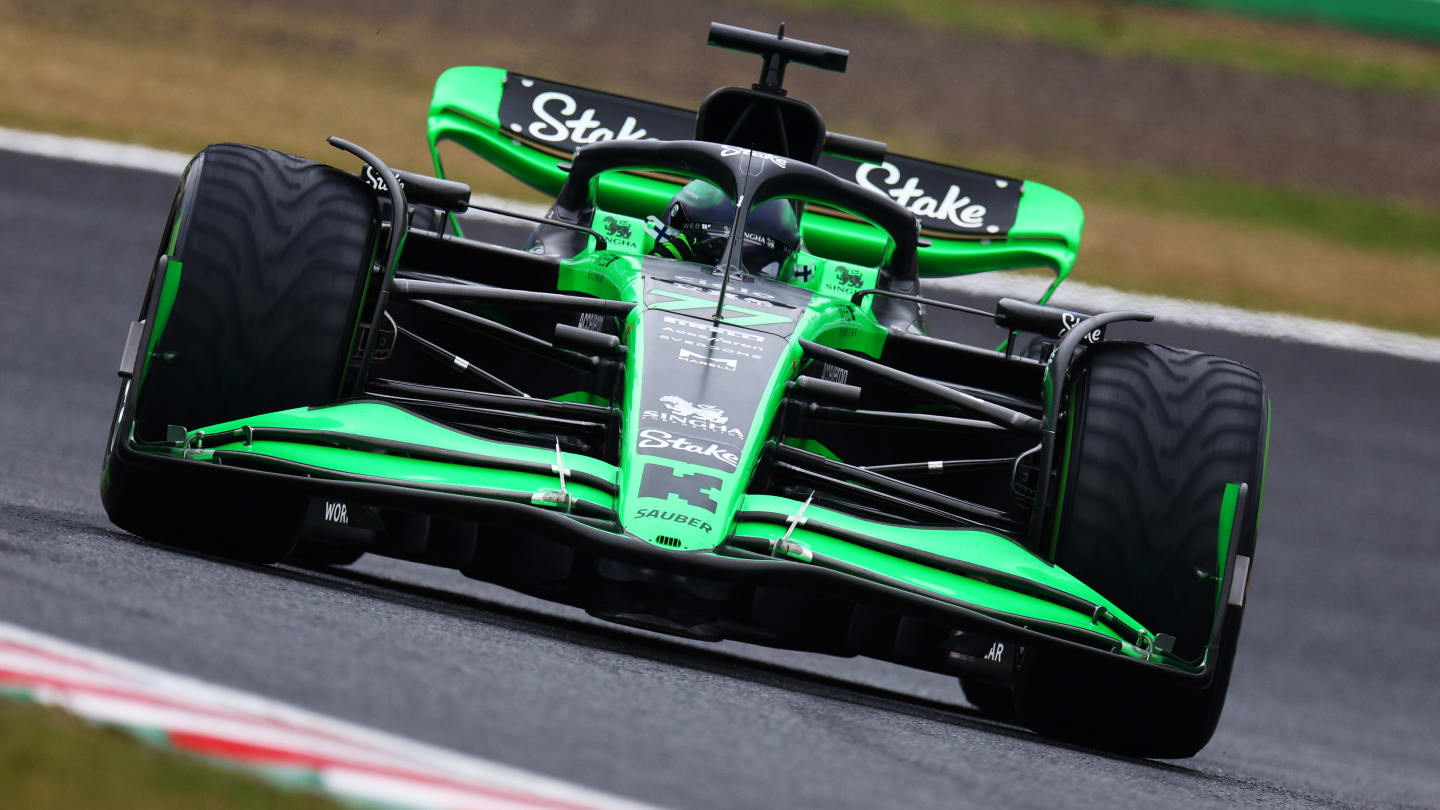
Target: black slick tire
{"points": [[1155, 435], [272, 253]]}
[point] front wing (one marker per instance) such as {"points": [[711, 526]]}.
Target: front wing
{"points": [[381, 478]]}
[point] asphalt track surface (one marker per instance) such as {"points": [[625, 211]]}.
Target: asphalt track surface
{"points": [[1333, 703]]}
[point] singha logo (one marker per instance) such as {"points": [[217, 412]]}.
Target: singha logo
{"points": [[683, 408], [850, 278], [616, 229]]}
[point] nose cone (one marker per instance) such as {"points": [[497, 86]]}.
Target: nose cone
{"points": [[679, 505], [689, 464], [701, 395]]}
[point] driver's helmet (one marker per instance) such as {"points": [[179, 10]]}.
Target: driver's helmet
{"points": [[697, 225]]}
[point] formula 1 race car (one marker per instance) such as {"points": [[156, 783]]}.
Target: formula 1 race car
{"points": [[698, 397]]}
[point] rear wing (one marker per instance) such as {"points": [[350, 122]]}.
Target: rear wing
{"points": [[975, 221]]}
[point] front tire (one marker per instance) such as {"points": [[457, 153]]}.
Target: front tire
{"points": [[255, 311], [1156, 435]]}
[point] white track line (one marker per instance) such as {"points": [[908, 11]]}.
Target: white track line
{"points": [[353, 761], [91, 150], [1074, 294]]}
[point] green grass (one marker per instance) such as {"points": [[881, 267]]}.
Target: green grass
{"points": [[1204, 37], [1369, 224], [50, 760]]}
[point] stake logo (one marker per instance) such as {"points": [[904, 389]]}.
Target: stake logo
{"points": [[372, 178], [955, 208], [653, 439], [551, 107], [1070, 320]]}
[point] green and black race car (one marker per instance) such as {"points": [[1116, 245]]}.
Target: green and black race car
{"points": [[700, 399]]}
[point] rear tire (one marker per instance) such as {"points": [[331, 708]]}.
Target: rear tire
{"points": [[1155, 436], [273, 252]]}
